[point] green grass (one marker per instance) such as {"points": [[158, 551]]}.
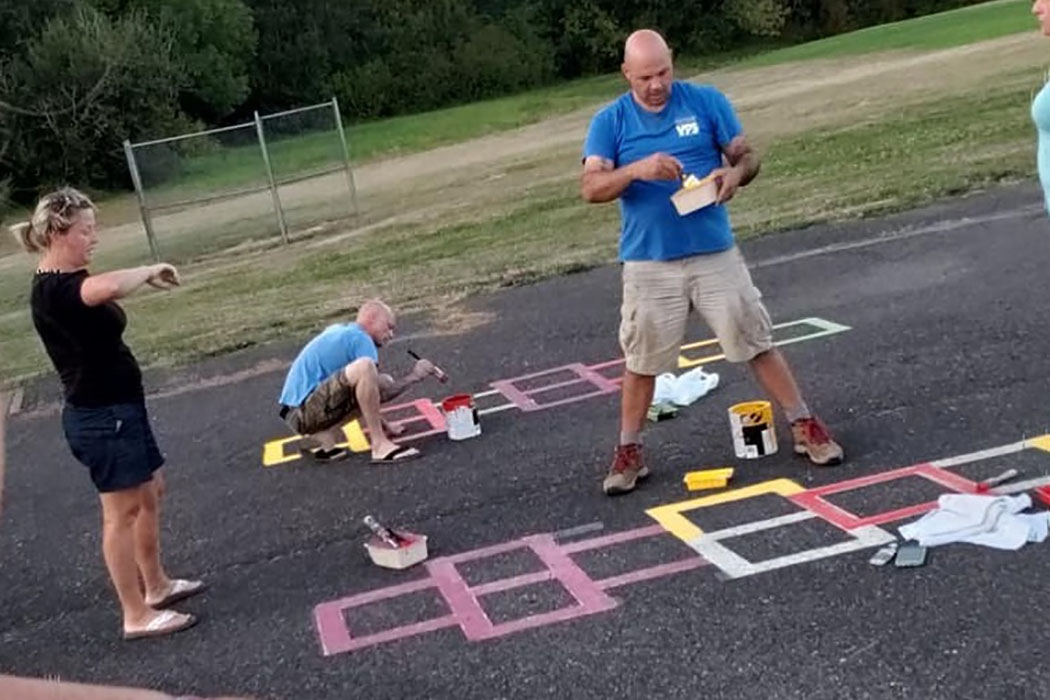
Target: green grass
{"points": [[213, 168], [939, 31]]}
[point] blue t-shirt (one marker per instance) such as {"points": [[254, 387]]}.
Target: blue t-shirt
{"points": [[1041, 117], [694, 126], [332, 350]]}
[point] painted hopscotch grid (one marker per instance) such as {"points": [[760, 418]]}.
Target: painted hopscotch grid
{"points": [[864, 530], [467, 613], [462, 600], [422, 418]]}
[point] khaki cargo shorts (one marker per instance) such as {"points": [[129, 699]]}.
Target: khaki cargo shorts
{"points": [[331, 403], [658, 297]]}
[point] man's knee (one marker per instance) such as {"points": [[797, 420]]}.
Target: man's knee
{"points": [[360, 370]]}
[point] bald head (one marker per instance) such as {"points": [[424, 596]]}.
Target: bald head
{"points": [[378, 320], [644, 45], [647, 67]]}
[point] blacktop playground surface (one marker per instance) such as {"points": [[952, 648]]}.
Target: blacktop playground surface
{"points": [[920, 339]]}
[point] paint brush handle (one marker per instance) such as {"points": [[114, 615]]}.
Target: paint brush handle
{"points": [[441, 376], [1000, 478], [383, 533]]}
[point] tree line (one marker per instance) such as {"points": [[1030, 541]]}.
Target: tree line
{"points": [[77, 77]]}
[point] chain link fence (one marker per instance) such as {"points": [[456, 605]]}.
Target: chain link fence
{"points": [[209, 191]]}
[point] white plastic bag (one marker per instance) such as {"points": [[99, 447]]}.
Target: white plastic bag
{"points": [[685, 389], [693, 385], [664, 391]]}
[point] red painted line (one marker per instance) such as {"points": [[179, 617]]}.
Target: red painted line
{"points": [[514, 395], [870, 480], [570, 575], [434, 416], [659, 571], [590, 598], [508, 584], [615, 538], [522, 398], [839, 517], [946, 478], [812, 500], [463, 604], [391, 635], [331, 624], [485, 552]]}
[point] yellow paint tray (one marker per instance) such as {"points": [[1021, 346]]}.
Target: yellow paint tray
{"points": [[708, 479]]}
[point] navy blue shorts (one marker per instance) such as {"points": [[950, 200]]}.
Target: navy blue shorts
{"points": [[114, 442]]}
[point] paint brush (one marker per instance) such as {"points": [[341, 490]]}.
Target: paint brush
{"points": [[441, 376], [988, 484], [388, 536]]}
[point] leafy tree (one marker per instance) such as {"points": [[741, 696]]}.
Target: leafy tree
{"points": [[85, 84]]}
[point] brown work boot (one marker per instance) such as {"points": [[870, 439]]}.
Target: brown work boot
{"points": [[627, 468], [813, 440]]}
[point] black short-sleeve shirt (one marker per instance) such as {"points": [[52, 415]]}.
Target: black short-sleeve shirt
{"points": [[85, 343]]}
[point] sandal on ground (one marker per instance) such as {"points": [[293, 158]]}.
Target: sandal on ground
{"points": [[398, 454], [181, 589], [167, 622], [333, 455]]}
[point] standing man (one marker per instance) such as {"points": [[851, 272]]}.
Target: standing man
{"points": [[637, 150], [335, 378]]}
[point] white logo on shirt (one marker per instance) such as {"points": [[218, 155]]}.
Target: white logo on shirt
{"points": [[687, 127]]}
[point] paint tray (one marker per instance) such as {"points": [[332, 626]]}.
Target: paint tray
{"points": [[690, 199], [412, 551], [708, 479]]}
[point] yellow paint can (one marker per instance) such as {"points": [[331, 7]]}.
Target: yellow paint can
{"points": [[754, 434]]}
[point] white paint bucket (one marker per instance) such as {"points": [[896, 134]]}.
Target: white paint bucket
{"points": [[461, 417], [754, 435]]}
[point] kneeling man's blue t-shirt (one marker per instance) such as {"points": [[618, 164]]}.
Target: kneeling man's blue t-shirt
{"points": [[332, 350], [694, 126]]}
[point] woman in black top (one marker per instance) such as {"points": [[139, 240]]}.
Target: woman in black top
{"points": [[104, 417]]}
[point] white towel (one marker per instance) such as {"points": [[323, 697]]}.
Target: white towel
{"points": [[991, 521]]}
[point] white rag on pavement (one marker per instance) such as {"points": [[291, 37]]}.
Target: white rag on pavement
{"points": [[992, 521]]}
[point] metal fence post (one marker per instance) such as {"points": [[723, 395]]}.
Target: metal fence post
{"points": [[136, 180], [278, 210], [346, 153]]}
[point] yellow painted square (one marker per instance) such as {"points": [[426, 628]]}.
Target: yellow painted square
{"points": [[671, 518], [1040, 443]]}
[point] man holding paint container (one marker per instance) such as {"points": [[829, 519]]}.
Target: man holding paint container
{"points": [[335, 378], [639, 150]]}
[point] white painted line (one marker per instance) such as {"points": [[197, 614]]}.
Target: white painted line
{"points": [[735, 566], [825, 324], [808, 336], [497, 409], [731, 564], [486, 394], [761, 525], [978, 456]]}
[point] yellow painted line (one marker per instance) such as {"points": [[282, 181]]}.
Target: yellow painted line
{"points": [[823, 328], [273, 452], [1040, 443], [671, 516], [356, 439], [685, 362]]}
